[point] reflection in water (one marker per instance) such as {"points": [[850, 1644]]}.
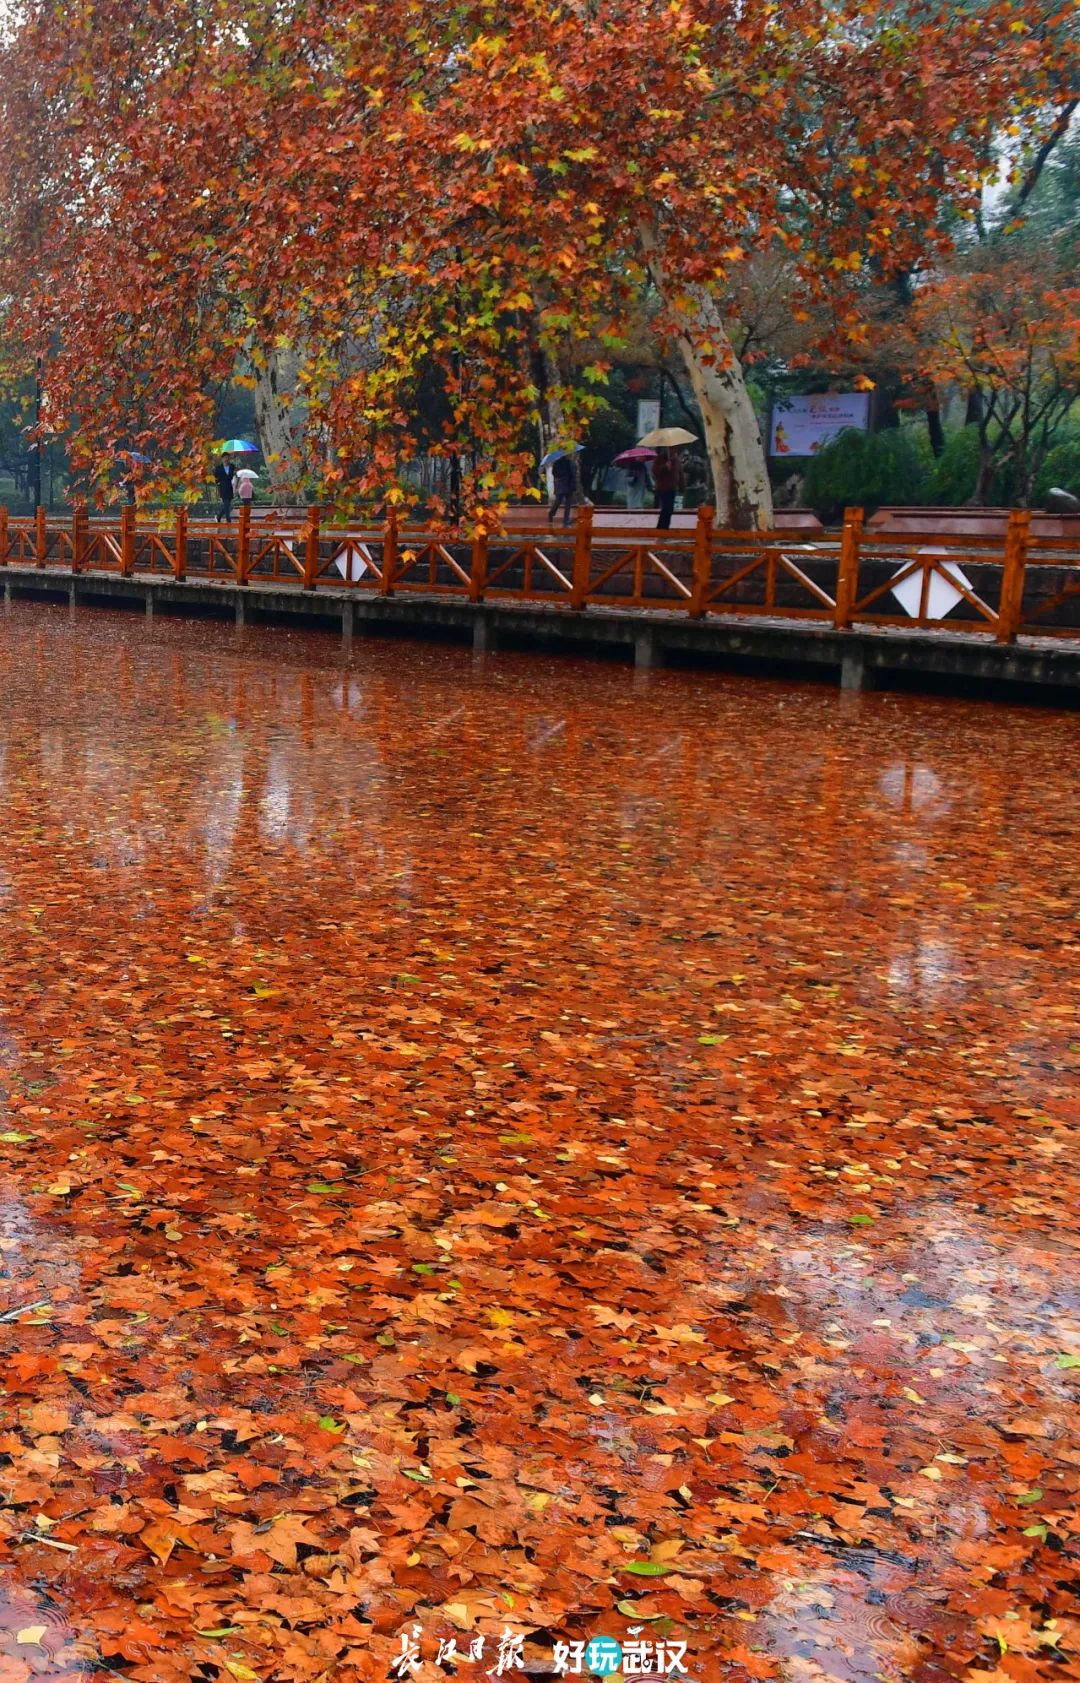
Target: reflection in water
{"points": [[915, 789]]}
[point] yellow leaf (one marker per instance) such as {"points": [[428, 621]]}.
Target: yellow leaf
{"points": [[931, 1472], [30, 1635], [243, 1672]]}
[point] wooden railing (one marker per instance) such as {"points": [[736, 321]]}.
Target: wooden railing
{"points": [[997, 586]]}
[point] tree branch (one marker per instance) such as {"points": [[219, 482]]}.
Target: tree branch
{"points": [[1042, 156]]}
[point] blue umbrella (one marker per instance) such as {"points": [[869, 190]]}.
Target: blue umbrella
{"points": [[560, 455]]}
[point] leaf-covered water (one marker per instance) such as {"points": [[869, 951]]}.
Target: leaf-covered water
{"points": [[510, 1145]]}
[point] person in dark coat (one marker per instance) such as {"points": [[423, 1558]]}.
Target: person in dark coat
{"points": [[563, 479], [224, 480], [667, 476]]}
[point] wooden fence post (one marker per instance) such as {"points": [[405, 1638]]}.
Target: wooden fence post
{"points": [[389, 552], [3, 535], [243, 544], [79, 536], [478, 570], [127, 540], [847, 575], [583, 542], [311, 550], [702, 561], [1011, 600], [180, 555], [40, 538]]}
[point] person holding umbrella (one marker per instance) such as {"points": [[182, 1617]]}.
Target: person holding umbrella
{"points": [[667, 478], [224, 480], [225, 471], [635, 465], [667, 472], [564, 482], [246, 481]]}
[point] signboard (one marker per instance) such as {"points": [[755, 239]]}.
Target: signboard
{"points": [[942, 594], [648, 415], [801, 426]]}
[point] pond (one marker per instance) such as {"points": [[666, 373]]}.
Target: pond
{"points": [[506, 1152]]}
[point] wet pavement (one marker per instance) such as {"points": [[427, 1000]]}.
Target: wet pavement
{"points": [[509, 1152]]}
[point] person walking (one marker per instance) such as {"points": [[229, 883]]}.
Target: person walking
{"points": [[223, 479], [637, 483], [563, 480], [667, 475]]}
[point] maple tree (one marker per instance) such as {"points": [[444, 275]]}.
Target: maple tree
{"points": [[1007, 325], [476, 189]]}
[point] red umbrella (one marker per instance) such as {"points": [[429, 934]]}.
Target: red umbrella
{"points": [[636, 454]]}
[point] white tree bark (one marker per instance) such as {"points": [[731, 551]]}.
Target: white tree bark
{"points": [[732, 435], [280, 423]]}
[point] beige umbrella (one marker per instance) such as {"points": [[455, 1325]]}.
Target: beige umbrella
{"points": [[666, 438]]}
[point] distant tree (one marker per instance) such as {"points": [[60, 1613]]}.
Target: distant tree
{"points": [[1009, 327]]}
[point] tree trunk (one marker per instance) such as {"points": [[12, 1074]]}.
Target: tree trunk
{"points": [[557, 435], [933, 424], [973, 413], [279, 422], [740, 475], [885, 415], [984, 482]]}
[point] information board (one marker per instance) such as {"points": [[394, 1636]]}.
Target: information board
{"points": [[801, 426]]}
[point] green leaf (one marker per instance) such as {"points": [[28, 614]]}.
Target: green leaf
{"points": [[710, 1039], [861, 1220], [646, 1568], [453, 1399], [422, 1268], [14, 1138], [1040, 1531], [329, 1424], [357, 1361], [386, 1339], [1028, 1497], [282, 1331], [329, 1187], [630, 1610], [1064, 1362], [220, 1630], [421, 1477]]}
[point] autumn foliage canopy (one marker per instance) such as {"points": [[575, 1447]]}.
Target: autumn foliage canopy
{"points": [[474, 194]]}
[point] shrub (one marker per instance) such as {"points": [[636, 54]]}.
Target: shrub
{"points": [[956, 470], [866, 470], [1061, 467]]}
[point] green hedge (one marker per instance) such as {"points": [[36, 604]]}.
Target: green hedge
{"points": [[956, 474], [867, 470], [1062, 468]]}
